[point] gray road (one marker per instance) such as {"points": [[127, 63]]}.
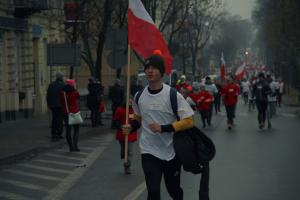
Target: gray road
{"points": [[249, 164]]}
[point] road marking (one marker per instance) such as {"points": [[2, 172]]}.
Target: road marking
{"points": [[94, 140], [287, 115], [87, 148], [13, 196], [56, 162], [45, 168], [40, 176], [24, 185], [136, 192], [237, 114], [68, 182], [77, 153], [63, 156]]}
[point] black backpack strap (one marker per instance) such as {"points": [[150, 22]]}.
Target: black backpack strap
{"points": [[137, 96], [174, 103]]}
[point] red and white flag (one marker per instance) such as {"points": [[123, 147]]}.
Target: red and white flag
{"points": [[240, 72], [222, 68], [143, 35]]}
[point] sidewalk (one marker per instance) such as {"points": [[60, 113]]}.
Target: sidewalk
{"points": [[25, 138], [293, 103]]}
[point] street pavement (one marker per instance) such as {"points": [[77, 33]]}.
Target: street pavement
{"points": [[250, 163], [25, 138]]}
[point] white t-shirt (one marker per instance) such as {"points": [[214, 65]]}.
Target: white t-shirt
{"points": [[212, 89], [245, 86], [157, 108], [281, 85], [272, 97]]}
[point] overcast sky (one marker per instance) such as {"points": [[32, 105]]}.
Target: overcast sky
{"points": [[240, 7]]}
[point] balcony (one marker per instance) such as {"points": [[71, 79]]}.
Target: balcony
{"points": [[25, 8]]}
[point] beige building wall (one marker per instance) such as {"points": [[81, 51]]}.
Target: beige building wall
{"points": [[24, 74], [108, 73]]}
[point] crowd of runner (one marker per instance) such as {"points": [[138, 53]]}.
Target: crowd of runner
{"points": [[262, 92]]}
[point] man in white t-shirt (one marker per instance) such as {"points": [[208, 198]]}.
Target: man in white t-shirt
{"points": [[245, 86], [155, 116]]}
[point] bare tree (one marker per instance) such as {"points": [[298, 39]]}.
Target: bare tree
{"points": [[95, 18], [200, 23]]}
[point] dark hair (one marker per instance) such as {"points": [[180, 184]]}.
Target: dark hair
{"points": [[261, 75]]}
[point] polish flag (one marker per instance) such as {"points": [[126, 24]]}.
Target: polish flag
{"points": [[240, 72], [222, 68], [143, 35]]}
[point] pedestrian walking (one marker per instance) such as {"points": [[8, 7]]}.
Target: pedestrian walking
{"points": [[54, 104], [93, 101], [230, 93], [120, 120], [217, 97], [280, 92], [154, 114], [101, 107], [261, 90], [245, 87], [116, 95], [69, 97], [251, 98], [272, 99]]}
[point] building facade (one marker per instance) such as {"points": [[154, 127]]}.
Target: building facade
{"points": [[26, 27]]}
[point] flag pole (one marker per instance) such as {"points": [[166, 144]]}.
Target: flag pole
{"points": [[127, 103]]}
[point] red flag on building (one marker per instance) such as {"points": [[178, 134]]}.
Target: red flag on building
{"points": [[143, 35], [240, 72], [222, 68]]}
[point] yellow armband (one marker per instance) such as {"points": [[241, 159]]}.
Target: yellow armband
{"points": [[183, 124]]}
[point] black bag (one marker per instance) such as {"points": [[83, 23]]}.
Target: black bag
{"points": [[193, 148]]}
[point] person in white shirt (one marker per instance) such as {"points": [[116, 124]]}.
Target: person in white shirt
{"points": [[245, 86], [272, 99], [280, 92], [154, 114]]}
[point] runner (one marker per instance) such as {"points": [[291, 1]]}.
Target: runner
{"points": [[261, 91], [153, 113], [230, 93]]}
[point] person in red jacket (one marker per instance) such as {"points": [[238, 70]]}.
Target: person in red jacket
{"points": [[120, 120], [230, 92], [69, 98], [203, 100], [182, 83]]}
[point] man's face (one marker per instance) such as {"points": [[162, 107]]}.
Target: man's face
{"points": [[152, 74]]}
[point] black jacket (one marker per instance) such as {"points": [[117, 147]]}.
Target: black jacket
{"points": [[116, 94], [261, 90], [53, 92], [95, 95]]}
